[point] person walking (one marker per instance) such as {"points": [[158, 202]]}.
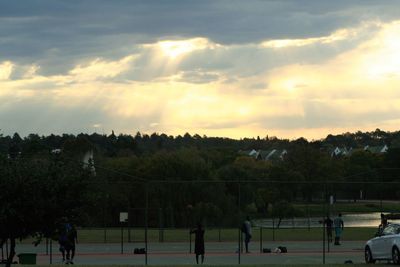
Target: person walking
{"points": [[339, 226], [198, 242], [72, 239], [62, 240], [246, 229]]}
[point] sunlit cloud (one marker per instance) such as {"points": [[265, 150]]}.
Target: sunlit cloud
{"points": [[338, 35], [100, 68], [6, 69], [31, 71], [174, 49], [382, 55], [236, 90]]}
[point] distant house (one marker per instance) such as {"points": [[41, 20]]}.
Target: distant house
{"points": [[274, 154], [56, 151], [342, 152], [338, 152], [253, 153], [268, 155], [376, 149]]}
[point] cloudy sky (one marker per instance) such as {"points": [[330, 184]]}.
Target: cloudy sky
{"points": [[288, 68]]}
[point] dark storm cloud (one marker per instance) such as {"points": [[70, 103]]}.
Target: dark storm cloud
{"points": [[57, 34]]}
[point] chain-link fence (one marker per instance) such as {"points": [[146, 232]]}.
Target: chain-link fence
{"points": [[285, 215]]}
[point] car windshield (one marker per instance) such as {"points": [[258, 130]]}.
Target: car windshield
{"points": [[391, 229]]}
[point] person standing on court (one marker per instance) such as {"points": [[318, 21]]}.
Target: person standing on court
{"points": [[198, 242], [62, 240], [72, 239], [383, 224], [246, 229], [339, 226], [329, 224]]}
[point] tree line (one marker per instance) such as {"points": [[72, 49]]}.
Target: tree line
{"points": [[185, 178]]}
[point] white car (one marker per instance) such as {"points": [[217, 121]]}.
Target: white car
{"points": [[385, 245]]}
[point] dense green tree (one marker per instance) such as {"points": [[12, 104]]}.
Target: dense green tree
{"points": [[37, 193], [181, 165]]}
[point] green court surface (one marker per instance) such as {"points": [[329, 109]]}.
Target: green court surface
{"points": [[217, 253]]}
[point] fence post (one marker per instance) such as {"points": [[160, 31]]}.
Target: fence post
{"points": [[146, 223], [261, 241], [51, 251], [105, 220], [190, 243], [7, 248], [323, 223], [239, 228], [308, 217], [273, 229], [122, 238], [131, 213], [323, 241], [161, 227]]}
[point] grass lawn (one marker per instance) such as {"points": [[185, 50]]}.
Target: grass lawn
{"points": [[317, 209], [113, 235]]}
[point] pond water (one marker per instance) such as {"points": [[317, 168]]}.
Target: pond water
{"points": [[372, 219]]}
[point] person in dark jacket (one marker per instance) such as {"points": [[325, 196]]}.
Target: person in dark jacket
{"points": [[198, 242], [329, 228], [72, 238], [247, 233], [62, 240]]}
